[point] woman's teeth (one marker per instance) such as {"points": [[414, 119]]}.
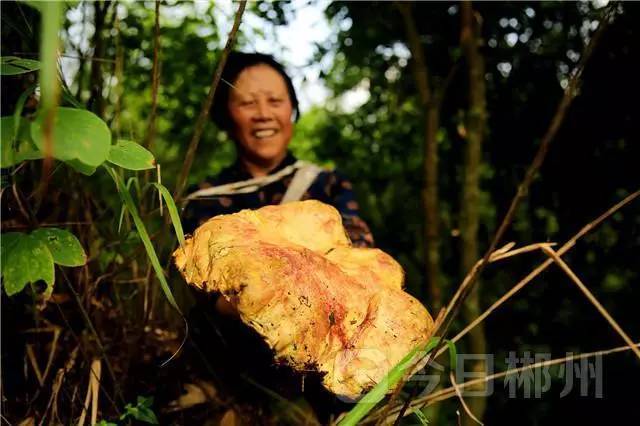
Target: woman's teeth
{"points": [[264, 133]]}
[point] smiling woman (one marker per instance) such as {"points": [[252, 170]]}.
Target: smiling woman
{"points": [[257, 106]]}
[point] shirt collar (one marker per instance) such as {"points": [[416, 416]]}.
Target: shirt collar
{"points": [[237, 171]]}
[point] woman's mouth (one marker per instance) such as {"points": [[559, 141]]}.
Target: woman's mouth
{"points": [[263, 133]]}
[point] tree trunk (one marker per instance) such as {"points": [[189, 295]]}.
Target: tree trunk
{"points": [[430, 200], [430, 164], [96, 102], [469, 213]]}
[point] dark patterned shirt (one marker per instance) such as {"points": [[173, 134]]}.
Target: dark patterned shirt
{"points": [[330, 187]]}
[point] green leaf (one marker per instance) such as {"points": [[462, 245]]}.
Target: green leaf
{"points": [[12, 65], [421, 417], [453, 355], [173, 211], [375, 395], [63, 245], [78, 135], [19, 107], [141, 411], [144, 236], [7, 241], [80, 167], [16, 150], [27, 260], [131, 155], [106, 423]]}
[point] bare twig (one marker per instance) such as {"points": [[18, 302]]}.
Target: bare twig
{"points": [[93, 330], [563, 265], [569, 94], [57, 384], [500, 254], [456, 388], [155, 80], [68, 56], [204, 112], [565, 248], [447, 393]]}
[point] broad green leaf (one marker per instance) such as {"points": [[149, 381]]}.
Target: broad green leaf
{"points": [[27, 261], [78, 135], [80, 167], [375, 395], [173, 211], [16, 150], [131, 155], [7, 241], [12, 65], [63, 245]]}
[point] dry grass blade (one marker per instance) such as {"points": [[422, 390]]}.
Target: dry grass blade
{"points": [[510, 253], [96, 370], [34, 364], [382, 413], [563, 265], [93, 389], [450, 392], [464, 404], [563, 106], [500, 254], [537, 271], [57, 384]]}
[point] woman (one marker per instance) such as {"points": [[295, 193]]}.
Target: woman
{"points": [[257, 107]]}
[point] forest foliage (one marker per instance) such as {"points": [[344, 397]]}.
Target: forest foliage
{"points": [[102, 209]]}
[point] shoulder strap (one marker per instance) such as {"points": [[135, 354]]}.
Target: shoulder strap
{"points": [[245, 186], [301, 181]]}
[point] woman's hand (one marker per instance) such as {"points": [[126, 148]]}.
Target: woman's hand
{"points": [[226, 308]]}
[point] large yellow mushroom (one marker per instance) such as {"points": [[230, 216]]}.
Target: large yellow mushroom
{"points": [[319, 303]]}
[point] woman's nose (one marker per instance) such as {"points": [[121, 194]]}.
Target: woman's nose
{"points": [[262, 111]]}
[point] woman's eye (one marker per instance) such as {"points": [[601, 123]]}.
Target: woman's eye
{"points": [[276, 101], [246, 103]]}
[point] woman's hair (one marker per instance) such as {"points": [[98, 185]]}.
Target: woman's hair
{"points": [[236, 63]]}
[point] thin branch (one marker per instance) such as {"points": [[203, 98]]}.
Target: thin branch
{"points": [[67, 56], [569, 94], [447, 393], [565, 248], [103, 351], [563, 265], [500, 254], [456, 388], [155, 79], [204, 112]]}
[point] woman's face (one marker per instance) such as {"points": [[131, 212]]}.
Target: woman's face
{"points": [[261, 110]]}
